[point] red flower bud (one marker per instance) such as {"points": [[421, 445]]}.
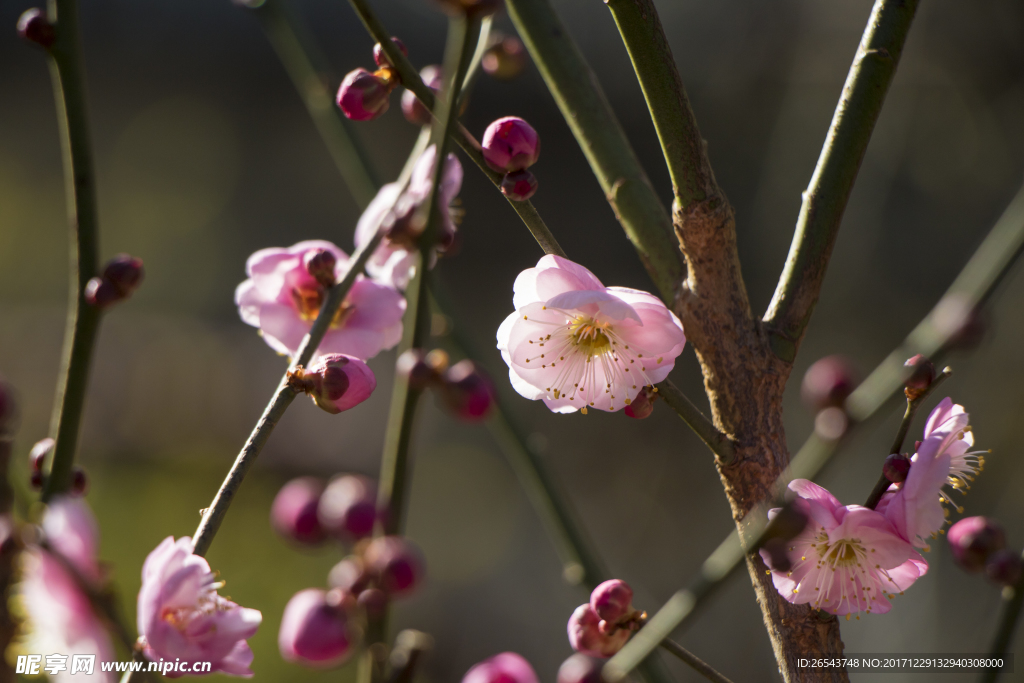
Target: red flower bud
{"points": [[79, 482], [413, 366], [519, 185], [294, 512], [348, 507], [35, 27], [612, 600], [827, 383], [315, 632], [973, 540], [586, 636], [37, 456], [381, 59], [896, 467], [363, 96], [396, 562], [467, 391], [125, 272], [414, 110], [643, 405], [1004, 567], [510, 144]]}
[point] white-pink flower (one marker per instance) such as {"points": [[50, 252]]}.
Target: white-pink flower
{"points": [[59, 615], [574, 343], [282, 299], [848, 559], [394, 260], [943, 457], [181, 616]]}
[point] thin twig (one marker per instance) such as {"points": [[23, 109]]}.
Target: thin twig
{"points": [[410, 78], [282, 398], [718, 442], [972, 287], [597, 130], [67, 74], [826, 196], [1013, 601], [698, 664]]}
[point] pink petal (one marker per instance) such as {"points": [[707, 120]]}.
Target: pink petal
{"points": [[594, 303], [354, 342], [283, 328], [249, 299], [377, 306]]}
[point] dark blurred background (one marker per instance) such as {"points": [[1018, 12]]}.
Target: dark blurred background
{"points": [[205, 154]]}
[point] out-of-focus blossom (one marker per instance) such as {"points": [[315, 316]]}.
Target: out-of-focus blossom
{"points": [[587, 636], [414, 110], [574, 343], [848, 559], [282, 299], [505, 59], [181, 616], [348, 507], [580, 668], [827, 383], [121, 276], [507, 667], [316, 629], [973, 540], [380, 58], [293, 514], [394, 260], [466, 391], [396, 564], [335, 382]]}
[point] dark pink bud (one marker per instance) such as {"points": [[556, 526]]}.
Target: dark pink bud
{"points": [[37, 456], [348, 507], [335, 382], [585, 634], [643, 405], [315, 632], [467, 391], [293, 513], [381, 59], [320, 263], [896, 467], [973, 540], [79, 482], [34, 26], [350, 575], [37, 480], [363, 96], [922, 373], [101, 293], [505, 59], [580, 669], [827, 383], [374, 601], [519, 185], [397, 563], [413, 366], [612, 600], [125, 273], [1004, 567], [507, 667], [412, 108], [510, 144]]}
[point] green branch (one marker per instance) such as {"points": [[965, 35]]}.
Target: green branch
{"points": [[718, 442], [975, 284], [600, 136], [1013, 601], [67, 74], [676, 126], [826, 196]]}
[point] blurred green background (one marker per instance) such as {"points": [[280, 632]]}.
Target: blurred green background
{"points": [[205, 153]]}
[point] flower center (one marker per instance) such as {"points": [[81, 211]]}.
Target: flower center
{"points": [[308, 301], [589, 336]]}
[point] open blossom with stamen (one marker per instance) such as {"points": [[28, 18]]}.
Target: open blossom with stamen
{"points": [[181, 616], [394, 261], [574, 343], [282, 298], [943, 457], [58, 614], [849, 559]]}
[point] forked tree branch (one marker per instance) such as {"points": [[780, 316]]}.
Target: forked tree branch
{"points": [[826, 196]]}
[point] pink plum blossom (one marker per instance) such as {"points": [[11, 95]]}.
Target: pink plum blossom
{"points": [[58, 614], [282, 299], [394, 260], [574, 343], [848, 559], [507, 667], [181, 616]]}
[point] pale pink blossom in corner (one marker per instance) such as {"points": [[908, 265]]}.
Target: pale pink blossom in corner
{"points": [[394, 260], [282, 299], [181, 616], [849, 559], [574, 343], [58, 614]]}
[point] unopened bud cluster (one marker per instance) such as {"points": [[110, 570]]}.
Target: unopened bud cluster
{"points": [[602, 626], [463, 388], [334, 381], [510, 146], [120, 278], [979, 544], [365, 95]]}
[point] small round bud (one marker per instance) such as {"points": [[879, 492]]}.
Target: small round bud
{"points": [[294, 512], [37, 480], [414, 110], [397, 563], [320, 263], [507, 667], [642, 406], [381, 59], [922, 373], [101, 293], [37, 456], [412, 365], [1004, 567], [374, 601], [33, 26], [79, 482], [896, 468], [335, 382], [313, 631], [505, 60], [973, 540], [827, 383], [580, 669], [519, 185], [585, 634], [612, 600], [510, 144], [348, 507], [350, 575], [363, 96], [125, 273], [467, 391]]}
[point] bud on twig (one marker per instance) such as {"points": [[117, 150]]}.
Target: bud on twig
{"points": [[364, 96], [294, 512], [519, 185], [896, 468], [921, 377], [380, 58], [973, 540], [34, 27], [827, 383]]}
